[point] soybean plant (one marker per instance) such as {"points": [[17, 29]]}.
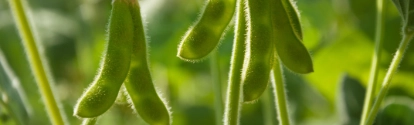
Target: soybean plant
{"points": [[406, 9], [125, 61], [266, 31]]}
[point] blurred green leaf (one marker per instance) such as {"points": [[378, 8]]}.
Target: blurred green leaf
{"points": [[12, 95], [364, 12], [406, 10], [402, 6], [350, 100], [398, 110]]}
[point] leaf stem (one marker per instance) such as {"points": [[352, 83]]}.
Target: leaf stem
{"points": [[216, 78], [233, 100], [19, 7], [387, 80], [279, 91], [371, 86]]}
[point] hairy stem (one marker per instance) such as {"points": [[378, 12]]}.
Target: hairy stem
{"points": [[233, 100], [371, 87], [18, 7], [387, 80], [280, 94]]}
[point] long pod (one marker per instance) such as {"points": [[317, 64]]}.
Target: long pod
{"points": [[288, 37], [259, 49], [139, 84], [100, 96], [204, 37]]}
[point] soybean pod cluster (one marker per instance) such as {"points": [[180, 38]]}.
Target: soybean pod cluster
{"points": [[272, 30], [266, 31], [124, 62]]}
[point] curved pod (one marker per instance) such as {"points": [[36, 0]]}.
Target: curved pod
{"points": [[259, 50], [114, 67], [204, 37], [139, 84], [287, 34]]}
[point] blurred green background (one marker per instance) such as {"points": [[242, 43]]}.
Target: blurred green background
{"points": [[338, 33]]}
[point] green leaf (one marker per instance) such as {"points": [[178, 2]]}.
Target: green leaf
{"points": [[402, 7], [12, 96], [410, 14], [406, 10], [398, 110], [350, 100]]}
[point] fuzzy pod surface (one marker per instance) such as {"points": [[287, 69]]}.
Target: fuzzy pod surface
{"points": [[139, 84], [288, 37], [259, 50], [204, 37], [114, 67]]}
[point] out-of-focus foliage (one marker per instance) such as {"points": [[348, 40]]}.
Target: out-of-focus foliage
{"points": [[350, 100], [338, 33]]}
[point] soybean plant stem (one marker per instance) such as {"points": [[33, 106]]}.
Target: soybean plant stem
{"points": [[280, 95], [18, 7], [216, 78], [387, 80], [268, 109], [371, 86], [233, 100]]}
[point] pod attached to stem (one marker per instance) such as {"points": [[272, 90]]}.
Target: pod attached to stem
{"points": [[138, 83], [259, 49], [288, 37], [114, 67], [204, 37]]}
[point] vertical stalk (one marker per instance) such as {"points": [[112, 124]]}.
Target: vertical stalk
{"points": [[19, 7], [387, 80], [233, 100], [268, 105], [280, 94], [371, 86], [216, 78]]}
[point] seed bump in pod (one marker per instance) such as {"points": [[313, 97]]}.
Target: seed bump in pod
{"points": [[101, 94]]}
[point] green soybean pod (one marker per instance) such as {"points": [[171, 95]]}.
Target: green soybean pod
{"points": [[204, 37], [114, 67], [89, 121], [259, 50], [139, 84], [288, 44], [293, 18]]}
